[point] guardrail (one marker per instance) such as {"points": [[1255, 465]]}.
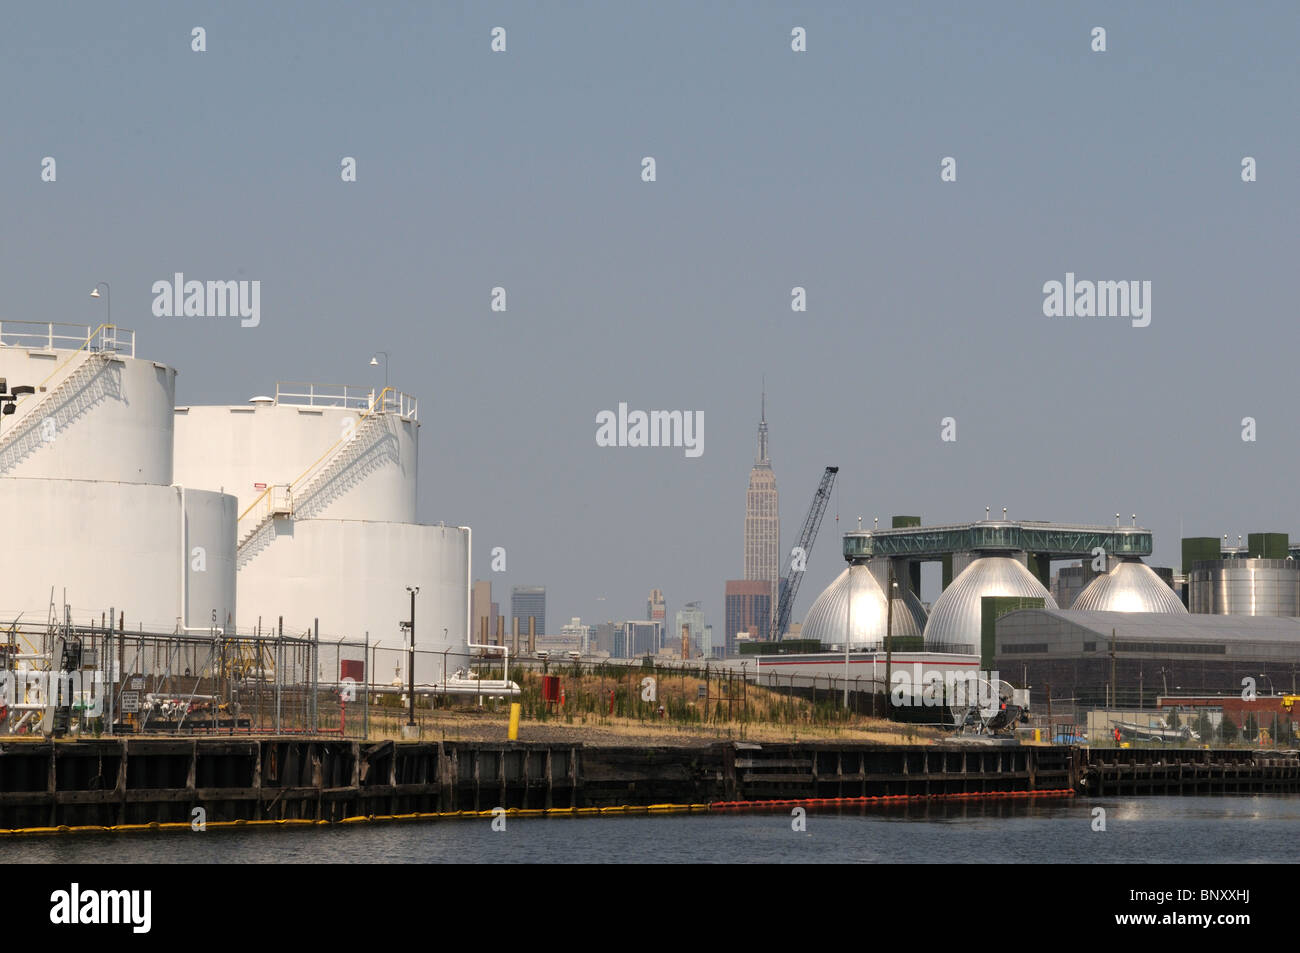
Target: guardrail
{"points": [[52, 336], [307, 394]]}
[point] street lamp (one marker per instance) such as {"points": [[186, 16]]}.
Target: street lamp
{"points": [[374, 362], [411, 667], [107, 300]]}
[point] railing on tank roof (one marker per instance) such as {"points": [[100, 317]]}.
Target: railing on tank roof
{"points": [[51, 336], [386, 401], [278, 499]]}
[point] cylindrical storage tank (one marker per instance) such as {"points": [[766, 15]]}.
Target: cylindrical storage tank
{"points": [[104, 415], [1268, 587], [209, 558], [829, 617], [957, 615], [352, 576], [120, 546], [341, 466], [1132, 586]]}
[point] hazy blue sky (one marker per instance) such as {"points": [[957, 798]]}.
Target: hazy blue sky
{"points": [[775, 169]]}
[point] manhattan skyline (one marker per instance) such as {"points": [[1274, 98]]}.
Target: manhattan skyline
{"points": [[775, 170]]}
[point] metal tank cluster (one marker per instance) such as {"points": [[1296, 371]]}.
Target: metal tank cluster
{"points": [[300, 505], [1001, 558]]}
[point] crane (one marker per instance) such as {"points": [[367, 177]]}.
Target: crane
{"points": [[798, 559]]}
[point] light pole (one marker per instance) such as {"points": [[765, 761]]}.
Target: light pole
{"points": [[107, 300], [889, 628], [410, 673], [848, 637]]}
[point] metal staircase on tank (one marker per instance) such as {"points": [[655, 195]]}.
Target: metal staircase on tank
{"points": [[68, 399], [315, 488]]}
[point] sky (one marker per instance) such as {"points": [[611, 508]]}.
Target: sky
{"points": [[774, 169]]}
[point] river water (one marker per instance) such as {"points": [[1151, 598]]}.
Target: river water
{"points": [[1243, 829]]}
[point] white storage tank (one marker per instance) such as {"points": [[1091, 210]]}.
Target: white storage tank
{"points": [[296, 440], [352, 576], [326, 480], [123, 546], [85, 486], [103, 414]]}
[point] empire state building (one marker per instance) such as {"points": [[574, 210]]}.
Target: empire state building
{"points": [[762, 524]]}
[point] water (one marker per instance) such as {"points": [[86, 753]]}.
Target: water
{"points": [[1252, 829]]}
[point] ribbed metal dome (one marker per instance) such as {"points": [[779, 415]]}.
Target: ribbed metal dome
{"points": [[955, 619], [829, 615], [1132, 586]]}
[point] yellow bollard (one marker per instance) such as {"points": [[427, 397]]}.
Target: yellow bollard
{"points": [[513, 734]]}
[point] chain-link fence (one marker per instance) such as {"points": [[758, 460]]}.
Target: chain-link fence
{"points": [[95, 680]]}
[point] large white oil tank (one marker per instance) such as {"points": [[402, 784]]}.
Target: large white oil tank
{"points": [[328, 538], [98, 413], [351, 578], [122, 546], [338, 452], [85, 474]]}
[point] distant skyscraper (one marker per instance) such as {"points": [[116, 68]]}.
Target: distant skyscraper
{"points": [[691, 616], [748, 610], [762, 524], [604, 637], [656, 609], [528, 601], [642, 638]]}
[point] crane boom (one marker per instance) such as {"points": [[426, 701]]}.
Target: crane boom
{"points": [[794, 569]]}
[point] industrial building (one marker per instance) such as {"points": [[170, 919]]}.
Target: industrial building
{"points": [[1127, 635], [994, 558], [1128, 658]]}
